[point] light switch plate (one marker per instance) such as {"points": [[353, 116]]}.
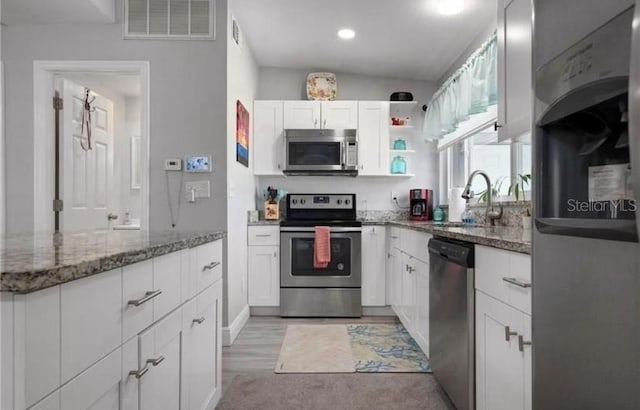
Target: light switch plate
{"points": [[202, 188]]}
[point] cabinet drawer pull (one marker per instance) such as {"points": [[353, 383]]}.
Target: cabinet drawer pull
{"points": [[263, 235], [522, 343], [516, 282], [156, 362], [508, 333], [198, 320], [139, 373], [147, 297], [210, 266]]}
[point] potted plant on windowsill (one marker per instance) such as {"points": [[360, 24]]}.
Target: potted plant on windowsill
{"points": [[517, 189]]}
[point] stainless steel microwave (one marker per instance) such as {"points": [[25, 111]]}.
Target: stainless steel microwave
{"points": [[321, 152]]}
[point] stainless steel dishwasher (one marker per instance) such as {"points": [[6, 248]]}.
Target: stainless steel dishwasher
{"points": [[452, 319]]}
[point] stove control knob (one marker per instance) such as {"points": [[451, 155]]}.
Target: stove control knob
{"points": [[339, 201], [295, 201], [303, 201], [347, 201]]}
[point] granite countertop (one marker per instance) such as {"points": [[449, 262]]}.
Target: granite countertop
{"points": [[262, 222], [503, 237], [30, 262]]}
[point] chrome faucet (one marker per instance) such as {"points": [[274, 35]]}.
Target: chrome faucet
{"points": [[467, 194]]}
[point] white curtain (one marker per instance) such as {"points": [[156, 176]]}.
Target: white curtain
{"points": [[470, 90]]}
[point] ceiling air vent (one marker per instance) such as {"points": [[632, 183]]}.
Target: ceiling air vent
{"points": [[170, 19]]}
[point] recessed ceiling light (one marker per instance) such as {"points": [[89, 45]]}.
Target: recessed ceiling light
{"points": [[450, 7], [346, 34]]}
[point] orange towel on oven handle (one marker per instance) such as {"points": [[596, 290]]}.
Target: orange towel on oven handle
{"points": [[322, 247]]}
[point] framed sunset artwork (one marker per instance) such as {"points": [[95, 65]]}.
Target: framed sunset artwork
{"points": [[242, 134]]}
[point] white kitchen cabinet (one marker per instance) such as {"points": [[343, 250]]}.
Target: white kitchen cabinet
{"points": [[373, 264], [137, 287], [97, 388], [264, 275], [51, 402], [421, 325], [408, 302], [129, 383], [504, 275], [37, 357], [91, 321], [167, 279], [514, 68], [68, 349], [160, 348], [408, 273], [394, 276], [206, 266], [339, 114], [503, 365], [268, 137], [373, 138], [202, 355], [302, 114], [263, 265], [320, 114]]}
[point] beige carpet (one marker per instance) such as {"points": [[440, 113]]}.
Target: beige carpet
{"points": [[316, 349], [370, 391]]}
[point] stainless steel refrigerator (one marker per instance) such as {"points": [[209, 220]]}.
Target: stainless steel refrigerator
{"points": [[586, 256]]}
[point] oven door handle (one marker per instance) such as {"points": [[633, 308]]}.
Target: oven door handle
{"points": [[343, 153], [336, 229]]}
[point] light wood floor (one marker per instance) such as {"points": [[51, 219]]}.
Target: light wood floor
{"points": [[256, 350]]}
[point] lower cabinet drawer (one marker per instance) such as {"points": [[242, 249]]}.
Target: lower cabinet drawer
{"points": [[263, 235], [207, 266], [504, 275]]}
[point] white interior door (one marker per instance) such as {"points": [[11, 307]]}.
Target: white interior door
{"points": [[87, 185]]}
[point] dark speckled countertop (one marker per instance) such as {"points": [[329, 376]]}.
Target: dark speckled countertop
{"points": [[503, 237], [30, 262]]}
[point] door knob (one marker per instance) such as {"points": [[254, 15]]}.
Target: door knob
{"points": [[112, 217]]}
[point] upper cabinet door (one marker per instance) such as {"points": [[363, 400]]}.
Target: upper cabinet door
{"points": [[268, 138], [514, 68], [373, 136], [339, 114], [301, 114]]}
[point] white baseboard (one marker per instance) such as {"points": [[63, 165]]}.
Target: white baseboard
{"points": [[230, 333]]}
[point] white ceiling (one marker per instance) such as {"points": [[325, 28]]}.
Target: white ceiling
{"points": [[394, 38], [122, 85], [58, 11]]}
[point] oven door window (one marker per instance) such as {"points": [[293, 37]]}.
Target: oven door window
{"points": [[302, 258], [314, 153]]}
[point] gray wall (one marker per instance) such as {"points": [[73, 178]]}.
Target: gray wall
{"points": [[188, 108]]}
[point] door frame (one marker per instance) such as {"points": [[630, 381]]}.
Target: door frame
{"points": [[43, 137]]}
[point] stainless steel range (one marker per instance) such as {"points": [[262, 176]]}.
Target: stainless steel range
{"points": [[334, 291]]}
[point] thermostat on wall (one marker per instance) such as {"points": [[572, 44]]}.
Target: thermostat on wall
{"points": [[197, 163], [173, 164]]}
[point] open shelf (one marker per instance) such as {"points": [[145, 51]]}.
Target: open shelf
{"points": [[401, 127], [401, 151], [403, 103], [389, 176]]}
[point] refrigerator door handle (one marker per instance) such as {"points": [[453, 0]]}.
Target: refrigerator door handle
{"points": [[634, 111]]}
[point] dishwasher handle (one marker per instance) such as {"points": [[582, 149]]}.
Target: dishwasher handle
{"points": [[458, 252]]}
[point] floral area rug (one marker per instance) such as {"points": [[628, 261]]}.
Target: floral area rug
{"points": [[386, 348]]}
